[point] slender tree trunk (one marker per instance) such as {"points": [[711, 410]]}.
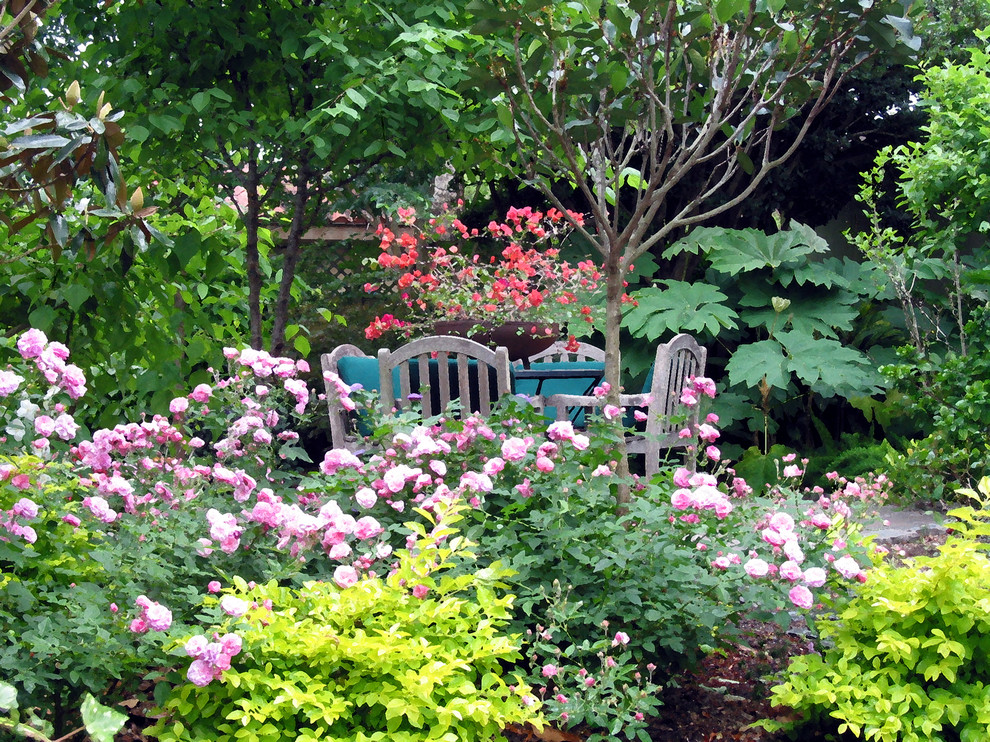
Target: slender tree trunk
{"points": [[252, 221], [614, 288], [293, 246]]}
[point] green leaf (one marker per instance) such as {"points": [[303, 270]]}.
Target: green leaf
{"points": [[200, 101], [757, 362], [101, 723], [8, 696], [302, 345], [734, 251], [39, 141], [725, 9], [680, 307], [359, 100], [75, 294], [808, 313], [829, 367]]}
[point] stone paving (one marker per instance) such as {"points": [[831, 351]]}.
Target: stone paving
{"points": [[896, 523]]}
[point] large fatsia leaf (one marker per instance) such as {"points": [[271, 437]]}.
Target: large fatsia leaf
{"points": [[759, 362], [827, 273], [735, 251], [679, 307], [808, 313], [829, 367]]}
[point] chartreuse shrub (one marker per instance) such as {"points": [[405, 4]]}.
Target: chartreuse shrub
{"points": [[909, 655], [415, 655]]}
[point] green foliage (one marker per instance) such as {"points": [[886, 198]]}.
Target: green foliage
{"points": [[788, 316], [951, 401], [906, 657], [679, 307], [99, 721], [288, 123], [595, 683], [942, 182], [373, 661]]}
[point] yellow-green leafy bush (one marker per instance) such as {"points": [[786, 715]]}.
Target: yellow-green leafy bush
{"points": [[909, 654], [414, 656]]}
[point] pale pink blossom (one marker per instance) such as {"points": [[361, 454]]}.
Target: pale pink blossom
{"points": [[515, 449], [814, 576], [201, 393], [756, 568], [233, 606], [801, 596], [847, 567], [345, 576], [621, 637], [366, 497], [790, 571], [708, 433]]}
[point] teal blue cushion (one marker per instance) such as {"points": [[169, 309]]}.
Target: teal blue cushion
{"points": [[361, 370], [528, 387]]}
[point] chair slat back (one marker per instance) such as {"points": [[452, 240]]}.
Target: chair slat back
{"points": [[342, 428], [676, 362], [558, 352], [447, 356]]}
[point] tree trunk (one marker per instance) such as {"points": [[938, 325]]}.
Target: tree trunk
{"points": [[290, 258], [252, 220], [614, 289]]}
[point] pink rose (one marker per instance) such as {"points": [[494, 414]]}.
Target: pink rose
{"points": [[201, 393], [345, 576], [814, 576], [801, 596], [514, 449], [682, 499], [621, 637], [790, 571], [32, 343], [847, 567], [756, 568], [233, 606]]}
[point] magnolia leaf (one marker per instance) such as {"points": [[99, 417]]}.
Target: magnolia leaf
{"points": [[101, 722], [38, 141], [759, 362], [680, 307]]}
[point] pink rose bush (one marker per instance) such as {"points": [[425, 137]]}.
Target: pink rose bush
{"points": [[194, 505]]}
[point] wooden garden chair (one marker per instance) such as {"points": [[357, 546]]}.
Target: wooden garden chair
{"points": [[676, 361], [458, 369]]}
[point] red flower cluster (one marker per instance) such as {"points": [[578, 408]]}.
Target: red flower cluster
{"points": [[526, 281]]}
